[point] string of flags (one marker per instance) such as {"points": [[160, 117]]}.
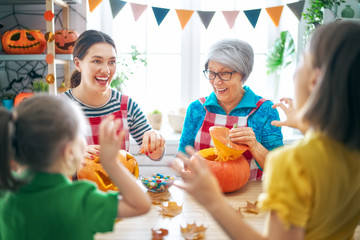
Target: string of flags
{"points": [[205, 16]]}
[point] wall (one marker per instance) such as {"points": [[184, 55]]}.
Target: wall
{"points": [[31, 16]]}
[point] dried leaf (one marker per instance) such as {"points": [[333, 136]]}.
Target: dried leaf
{"points": [[159, 198], [239, 212], [159, 234], [193, 232], [171, 210], [251, 208]]}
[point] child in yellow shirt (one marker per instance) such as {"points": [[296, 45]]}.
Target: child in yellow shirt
{"points": [[311, 188]]}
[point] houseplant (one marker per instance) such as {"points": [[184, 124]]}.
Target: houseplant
{"points": [[280, 56], [126, 68], [40, 85], [7, 100], [155, 119], [314, 15]]}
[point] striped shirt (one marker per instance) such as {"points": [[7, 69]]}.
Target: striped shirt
{"points": [[137, 121]]}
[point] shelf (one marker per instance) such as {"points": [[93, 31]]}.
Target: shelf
{"points": [[57, 2], [34, 57]]}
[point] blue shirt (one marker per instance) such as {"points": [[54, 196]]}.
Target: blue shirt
{"points": [[260, 121]]}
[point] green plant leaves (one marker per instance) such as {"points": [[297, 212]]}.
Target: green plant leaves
{"points": [[281, 54]]}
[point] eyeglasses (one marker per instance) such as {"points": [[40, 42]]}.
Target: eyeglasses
{"points": [[225, 76]]}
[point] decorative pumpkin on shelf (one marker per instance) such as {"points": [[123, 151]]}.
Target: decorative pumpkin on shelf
{"points": [[22, 41], [65, 41], [226, 160], [22, 97], [94, 171]]}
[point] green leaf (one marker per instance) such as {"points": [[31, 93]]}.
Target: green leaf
{"points": [[282, 53]]}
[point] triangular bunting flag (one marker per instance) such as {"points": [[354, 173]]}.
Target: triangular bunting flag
{"points": [[253, 16], [275, 14], [206, 17], [137, 10], [184, 16], [116, 6], [230, 17], [93, 4], [297, 8], [160, 14]]}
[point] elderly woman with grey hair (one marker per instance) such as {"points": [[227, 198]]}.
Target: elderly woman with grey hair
{"points": [[227, 67]]}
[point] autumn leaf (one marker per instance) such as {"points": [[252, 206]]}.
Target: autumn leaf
{"points": [[171, 210], [159, 198], [193, 232], [159, 234], [251, 208], [239, 212]]}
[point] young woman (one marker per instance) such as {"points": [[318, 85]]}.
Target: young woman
{"points": [[95, 61], [312, 188], [45, 135]]}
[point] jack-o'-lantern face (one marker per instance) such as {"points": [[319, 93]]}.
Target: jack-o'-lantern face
{"points": [[94, 171], [65, 41], [22, 41]]}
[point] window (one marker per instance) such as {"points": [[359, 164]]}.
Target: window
{"points": [[173, 77]]}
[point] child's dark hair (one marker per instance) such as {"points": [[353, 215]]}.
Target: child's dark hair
{"points": [[83, 43], [34, 134], [334, 106]]}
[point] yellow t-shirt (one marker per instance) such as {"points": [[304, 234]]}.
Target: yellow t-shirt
{"points": [[314, 184]]}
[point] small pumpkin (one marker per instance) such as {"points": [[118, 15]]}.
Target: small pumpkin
{"points": [[23, 41], [22, 97], [65, 41], [94, 171], [226, 160]]}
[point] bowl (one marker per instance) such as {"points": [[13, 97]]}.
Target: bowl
{"points": [[158, 182], [176, 119]]}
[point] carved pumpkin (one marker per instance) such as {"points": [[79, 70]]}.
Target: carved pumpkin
{"points": [[226, 160], [22, 41], [94, 171], [65, 41]]}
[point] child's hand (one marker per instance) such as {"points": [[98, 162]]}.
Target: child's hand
{"points": [[198, 179], [110, 139], [290, 112]]}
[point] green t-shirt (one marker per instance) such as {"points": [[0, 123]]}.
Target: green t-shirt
{"points": [[52, 207]]}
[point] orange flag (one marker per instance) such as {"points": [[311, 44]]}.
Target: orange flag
{"points": [[93, 4], [184, 16], [275, 14]]}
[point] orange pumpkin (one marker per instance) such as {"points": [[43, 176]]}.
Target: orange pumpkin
{"points": [[22, 41], [226, 161], [94, 171], [22, 97], [65, 41]]}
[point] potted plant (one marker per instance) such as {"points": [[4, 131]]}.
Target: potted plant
{"points": [[155, 118], [314, 15], [126, 67], [280, 56], [40, 85], [7, 100]]}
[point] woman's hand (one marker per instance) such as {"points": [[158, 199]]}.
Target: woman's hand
{"points": [[153, 144], [243, 135], [198, 180], [92, 151]]}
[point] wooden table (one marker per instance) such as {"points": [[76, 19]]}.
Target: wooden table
{"points": [[139, 228]]}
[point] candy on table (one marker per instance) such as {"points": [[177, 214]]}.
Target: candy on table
{"points": [[158, 182]]}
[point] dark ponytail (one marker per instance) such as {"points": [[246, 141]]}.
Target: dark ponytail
{"points": [[7, 134], [83, 43]]}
